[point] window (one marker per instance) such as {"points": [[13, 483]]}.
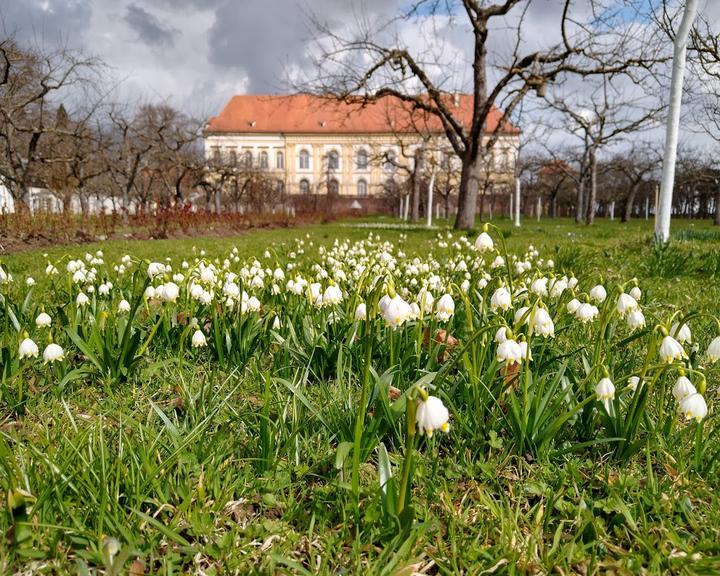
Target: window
{"points": [[281, 187], [333, 160], [389, 164], [215, 153], [333, 187], [304, 186], [263, 159], [280, 161], [362, 188], [233, 156], [248, 159], [362, 159], [304, 160]]}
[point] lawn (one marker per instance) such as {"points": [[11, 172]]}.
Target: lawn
{"points": [[283, 438]]}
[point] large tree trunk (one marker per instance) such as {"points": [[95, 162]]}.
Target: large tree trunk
{"points": [[467, 195], [592, 200], [716, 219], [579, 199], [630, 202]]}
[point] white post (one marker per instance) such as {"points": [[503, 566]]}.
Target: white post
{"points": [[431, 185], [612, 210], [512, 203], [647, 208], [539, 208], [407, 206], [664, 207], [517, 201]]}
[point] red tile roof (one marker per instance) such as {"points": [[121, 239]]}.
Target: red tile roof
{"points": [[307, 114]]}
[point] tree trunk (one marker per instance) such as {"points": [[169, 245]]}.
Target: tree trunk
{"points": [[417, 181], [716, 219], [580, 198], [593, 189], [553, 206], [468, 192], [630, 203]]}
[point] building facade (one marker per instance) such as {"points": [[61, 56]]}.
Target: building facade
{"points": [[316, 146]]}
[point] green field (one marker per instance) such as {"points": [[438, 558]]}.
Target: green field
{"points": [[239, 460]]}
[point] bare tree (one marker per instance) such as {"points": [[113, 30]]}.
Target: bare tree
{"points": [[32, 81], [371, 63]]}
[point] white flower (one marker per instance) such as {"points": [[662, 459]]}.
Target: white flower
{"points": [[253, 304], [51, 270], [626, 304], [30, 281], [232, 290], [633, 382], [525, 351], [52, 353], [207, 275], [509, 351], [149, 293], [542, 323], [681, 333], [155, 269], [28, 349], [425, 300], [484, 243], [635, 293], [124, 306], [332, 295], [432, 415], [498, 262], [605, 392], [501, 299], [171, 291], [586, 313], [444, 308], [522, 316], [540, 286], [361, 311], [635, 319], [82, 299], [501, 335], [396, 312], [671, 350], [598, 293], [693, 407], [558, 287], [605, 389], [276, 323], [572, 282], [713, 351], [198, 339], [43, 320], [573, 306], [683, 388]]}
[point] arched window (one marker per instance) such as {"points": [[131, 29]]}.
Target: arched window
{"points": [[281, 187], [389, 164], [362, 159], [304, 160], [333, 160], [362, 188], [248, 160], [263, 159], [233, 156], [280, 161], [304, 186], [333, 187]]}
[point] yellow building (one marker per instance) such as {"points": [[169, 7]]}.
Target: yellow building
{"points": [[314, 145]]}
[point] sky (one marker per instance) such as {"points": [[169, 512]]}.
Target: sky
{"points": [[195, 54]]}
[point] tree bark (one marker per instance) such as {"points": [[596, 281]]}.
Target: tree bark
{"points": [[630, 203], [417, 181], [716, 219], [468, 192], [580, 198], [593, 189]]}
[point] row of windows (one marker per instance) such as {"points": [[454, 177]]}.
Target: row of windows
{"points": [[334, 187], [263, 160]]}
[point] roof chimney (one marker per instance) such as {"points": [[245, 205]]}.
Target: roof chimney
{"points": [[252, 123]]}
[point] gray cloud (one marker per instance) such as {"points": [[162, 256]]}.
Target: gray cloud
{"points": [[148, 27]]}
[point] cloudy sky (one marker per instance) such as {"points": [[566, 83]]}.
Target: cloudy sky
{"points": [[198, 53]]}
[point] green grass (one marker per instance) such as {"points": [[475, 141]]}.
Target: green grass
{"points": [[198, 466]]}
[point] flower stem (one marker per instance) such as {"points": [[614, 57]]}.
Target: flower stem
{"points": [[409, 453]]}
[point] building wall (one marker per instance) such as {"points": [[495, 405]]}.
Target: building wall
{"points": [[347, 174]]}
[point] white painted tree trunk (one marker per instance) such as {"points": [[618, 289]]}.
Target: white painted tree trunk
{"points": [[517, 201], [431, 185], [664, 207]]}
